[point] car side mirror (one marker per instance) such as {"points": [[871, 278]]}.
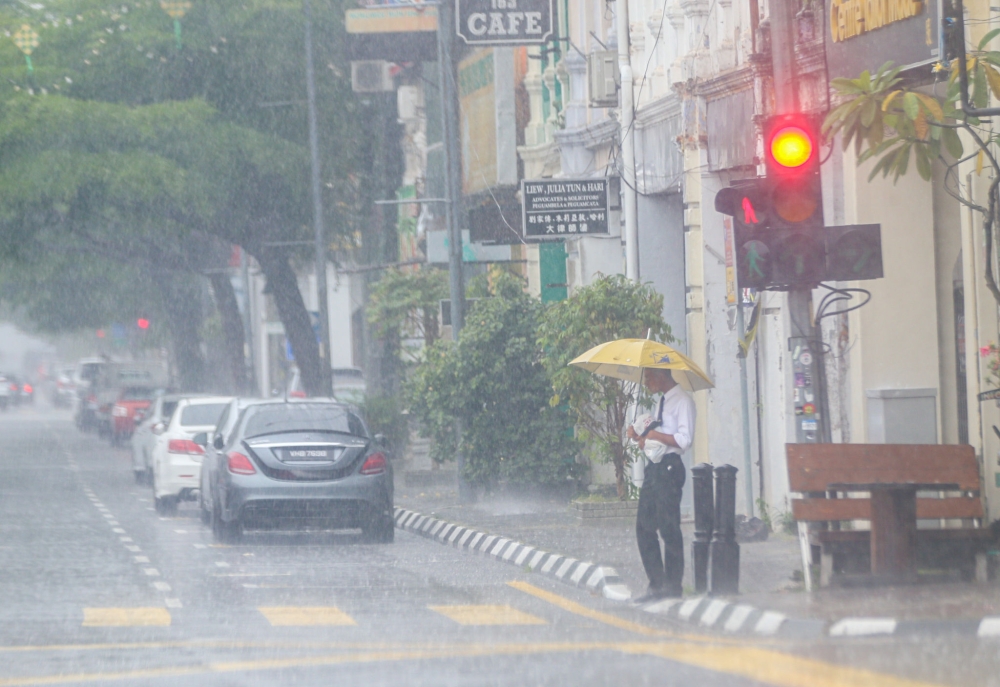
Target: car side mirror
{"points": [[218, 443], [158, 428], [201, 438], [379, 439]]}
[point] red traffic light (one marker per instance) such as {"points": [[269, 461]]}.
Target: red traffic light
{"points": [[791, 146], [100, 333], [142, 323]]}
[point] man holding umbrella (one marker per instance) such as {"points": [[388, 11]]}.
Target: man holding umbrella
{"points": [[660, 495], [669, 373]]}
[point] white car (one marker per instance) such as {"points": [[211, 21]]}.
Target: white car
{"points": [[175, 465], [148, 431]]}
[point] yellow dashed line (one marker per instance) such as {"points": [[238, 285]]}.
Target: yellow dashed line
{"points": [[125, 617], [286, 616], [487, 615]]}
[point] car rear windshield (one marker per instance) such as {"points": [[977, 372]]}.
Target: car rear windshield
{"points": [[203, 414], [299, 417], [138, 394]]}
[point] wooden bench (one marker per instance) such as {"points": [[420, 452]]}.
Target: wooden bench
{"points": [[888, 475]]}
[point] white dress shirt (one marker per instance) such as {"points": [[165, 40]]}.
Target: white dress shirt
{"points": [[676, 413]]}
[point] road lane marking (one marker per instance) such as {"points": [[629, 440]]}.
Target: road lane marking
{"points": [[580, 609], [152, 572], [141, 559], [125, 617], [173, 603], [292, 616], [161, 586], [789, 671], [133, 548], [487, 615]]}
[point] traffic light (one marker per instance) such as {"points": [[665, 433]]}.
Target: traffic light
{"points": [[795, 195], [746, 202], [853, 252], [142, 323]]}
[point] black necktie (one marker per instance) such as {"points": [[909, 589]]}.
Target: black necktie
{"points": [[659, 413]]}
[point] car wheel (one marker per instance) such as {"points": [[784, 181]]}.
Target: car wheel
{"points": [[225, 532], [381, 530]]}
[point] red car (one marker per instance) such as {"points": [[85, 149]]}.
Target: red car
{"points": [[128, 411]]}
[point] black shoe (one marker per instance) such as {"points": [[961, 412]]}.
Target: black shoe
{"points": [[652, 594]]}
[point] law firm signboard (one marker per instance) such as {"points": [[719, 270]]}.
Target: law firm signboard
{"points": [[505, 22], [864, 34], [561, 208]]}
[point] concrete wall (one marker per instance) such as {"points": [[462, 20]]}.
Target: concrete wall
{"points": [[661, 256]]}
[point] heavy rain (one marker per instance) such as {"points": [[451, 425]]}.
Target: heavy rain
{"points": [[499, 342]]}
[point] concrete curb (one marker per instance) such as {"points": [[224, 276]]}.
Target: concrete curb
{"points": [[732, 617], [598, 578]]}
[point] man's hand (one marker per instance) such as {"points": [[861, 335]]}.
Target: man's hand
{"points": [[642, 442], [630, 432]]}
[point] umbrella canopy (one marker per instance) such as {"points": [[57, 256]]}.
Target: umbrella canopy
{"points": [[626, 359]]}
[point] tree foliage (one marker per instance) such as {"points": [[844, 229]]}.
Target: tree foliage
{"points": [[891, 122], [408, 300], [613, 307], [493, 380]]}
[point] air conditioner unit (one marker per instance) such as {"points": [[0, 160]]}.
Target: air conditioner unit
{"points": [[371, 76], [604, 78]]}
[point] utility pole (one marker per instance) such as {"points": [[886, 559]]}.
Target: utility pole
{"points": [[453, 205], [317, 197], [803, 333], [629, 208]]}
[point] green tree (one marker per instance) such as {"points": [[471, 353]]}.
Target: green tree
{"points": [[891, 122], [492, 379], [612, 307]]}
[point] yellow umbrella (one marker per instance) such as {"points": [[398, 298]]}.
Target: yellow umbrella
{"points": [[626, 359]]}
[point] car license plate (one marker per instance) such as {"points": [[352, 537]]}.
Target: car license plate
{"points": [[308, 454]]}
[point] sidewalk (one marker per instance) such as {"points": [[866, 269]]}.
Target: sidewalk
{"points": [[770, 601]]}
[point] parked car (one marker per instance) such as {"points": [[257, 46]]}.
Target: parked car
{"points": [[114, 378], [131, 405], [63, 389], [225, 425], [5, 401], [85, 380], [175, 465], [308, 463], [148, 431]]}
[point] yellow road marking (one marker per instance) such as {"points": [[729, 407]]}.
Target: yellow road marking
{"points": [[487, 615], [125, 617], [284, 616], [761, 665]]}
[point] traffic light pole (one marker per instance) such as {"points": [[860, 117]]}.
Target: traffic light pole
{"points": [[803, 340], [453, 206]]}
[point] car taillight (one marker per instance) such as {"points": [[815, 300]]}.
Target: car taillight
{"points": [[184, 446], [13, 387], [28, 389], [239, 464], [373, 465]]}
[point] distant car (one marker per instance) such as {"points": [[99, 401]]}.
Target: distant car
{"points": [[308, 463], [63, 389], [148, 431], [132, 403], [175, 465], [5, 394], [84, 380], [222, 430]]}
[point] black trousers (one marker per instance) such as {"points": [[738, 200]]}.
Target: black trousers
{"points": [[660, 512]]}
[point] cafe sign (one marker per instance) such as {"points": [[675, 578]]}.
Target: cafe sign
{"points": [[505, 22], [865, 34]]}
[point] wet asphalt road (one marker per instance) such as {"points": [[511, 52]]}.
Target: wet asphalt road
{"points": [[95, 588]]}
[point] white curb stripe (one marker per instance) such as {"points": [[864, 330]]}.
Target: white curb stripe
{"points": [[495, 552], [465, 538], [712, 613], [565, 567], [989, 627], [551, 562], [429, 524], [734, 623], [525, 552], [580, 571], [863, 627], [770, 622], [438, 526], [511, 550], [475, 540], [661, 607], [455, 534], [418, 522], [443, 533], [616, 592], [688, 607], [596, 578]]}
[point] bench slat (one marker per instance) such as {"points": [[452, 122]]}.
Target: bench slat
{"points": [[812, 467], [862, 536], [822, 510]]}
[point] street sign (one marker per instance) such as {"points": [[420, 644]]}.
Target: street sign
{"points": [[991, 395], [557, 208], [505, 22]]}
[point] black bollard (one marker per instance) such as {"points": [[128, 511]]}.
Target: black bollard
{"points": [[725, 550], [704, 518]]}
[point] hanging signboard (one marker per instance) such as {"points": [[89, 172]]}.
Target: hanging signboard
{"points": [[505, 22], [557, 208], [864, 34]]}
